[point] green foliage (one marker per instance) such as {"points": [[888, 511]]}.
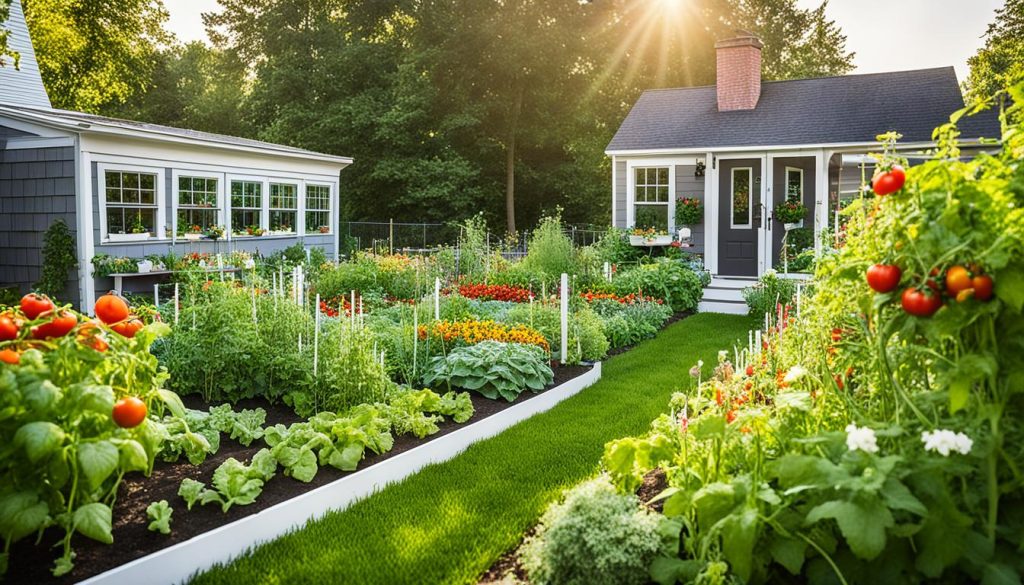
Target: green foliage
{"points": [[673, 281], [613, 247], [59, 258], [626, 324], [550, 251], [91, 59], [104, 265], [595, 536], [234, 483], [587, 340], [159, 514], [770, 291], [1000, 63], [493, 369]]}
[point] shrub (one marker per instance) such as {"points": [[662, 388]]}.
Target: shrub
{"points": [[629, 323], [673, 281], [59, 258], [594, 537], [769, 291], [493, 369], [584, 344], [613, 247], [550, 252]]}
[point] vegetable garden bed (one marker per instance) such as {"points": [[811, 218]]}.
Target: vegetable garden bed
{"points": [[210, 536]]}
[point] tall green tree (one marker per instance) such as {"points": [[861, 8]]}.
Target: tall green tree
{"points": [[1000, 63], [95, 53]]}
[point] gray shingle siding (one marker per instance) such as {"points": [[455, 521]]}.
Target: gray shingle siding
{"points": [[8, 132], [620, 194], [688, 185], [33, 194]]}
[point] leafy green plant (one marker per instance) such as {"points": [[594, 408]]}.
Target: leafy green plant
{"points": [[673, 281], [159, 514], [596, 536], [550, 251], [770, 291], [59, 258], [104, 265], [234, 483], [493, 369]]}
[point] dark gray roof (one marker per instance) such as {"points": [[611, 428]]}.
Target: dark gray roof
{"points": [[824, 110], [80, 121]]}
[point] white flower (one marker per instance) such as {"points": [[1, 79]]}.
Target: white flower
{"points": [[794, 374], [700, 363], [946, 441], [722, 356], [770, 272], [861, 438]]}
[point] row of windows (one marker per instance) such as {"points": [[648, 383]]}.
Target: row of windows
{"points": [[131, 204]]}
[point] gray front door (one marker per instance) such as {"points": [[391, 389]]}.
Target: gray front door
{"points": [[739, 216]]}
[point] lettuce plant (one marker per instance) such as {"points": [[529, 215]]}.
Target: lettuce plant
{"points": [[493, 369]]}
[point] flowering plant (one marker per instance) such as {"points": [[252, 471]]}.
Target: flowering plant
{"points": [[630, 299], [790, 211], [495, 292], [471, 332], [689, 211]]}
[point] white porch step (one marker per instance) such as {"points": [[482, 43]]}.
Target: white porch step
{"points": [[737, 282], [722, 307]]}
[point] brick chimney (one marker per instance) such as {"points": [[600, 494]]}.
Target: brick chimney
{"points": [[739, 72]]}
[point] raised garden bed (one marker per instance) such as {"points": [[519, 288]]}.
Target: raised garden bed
{"points": [[137, 554]]}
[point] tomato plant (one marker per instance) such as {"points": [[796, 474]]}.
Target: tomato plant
{"points": [[8, 328], [921, 302], [887, 181], [33, 305], [58, 326], [884, 278], [111, 309], [129, 412]]}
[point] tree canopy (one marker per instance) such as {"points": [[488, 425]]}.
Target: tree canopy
{"points": [[1000, 63]]}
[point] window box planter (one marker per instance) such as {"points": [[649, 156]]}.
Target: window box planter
{"points": [[652, 241], [192, 237], [129, 237], [145, 266]]}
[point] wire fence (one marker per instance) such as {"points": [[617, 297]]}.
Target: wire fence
{"points": [[426, 238]]}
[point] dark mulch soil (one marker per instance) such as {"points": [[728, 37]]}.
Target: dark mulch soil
{"points": [[509, 565], [132, 539]]}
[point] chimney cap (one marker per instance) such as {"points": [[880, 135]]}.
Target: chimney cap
{"points": [[743, 38]]}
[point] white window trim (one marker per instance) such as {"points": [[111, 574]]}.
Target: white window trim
{"points": [[222, 210], [300, 191], [160, 226], [330, 208], [786, 183], [264, 202], [631, 202], [750, 199]]}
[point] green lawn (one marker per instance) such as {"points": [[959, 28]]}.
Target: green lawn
{"points": [[449, 522]]}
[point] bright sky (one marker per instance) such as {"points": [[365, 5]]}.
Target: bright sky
{"points": [[887, 35]]}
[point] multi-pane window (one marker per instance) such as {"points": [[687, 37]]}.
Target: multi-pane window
{"points": [[794, 184], [197, 204], [246, 207], [131, 206], [651, 197], [284, 207], [318, 209], [741, 195]]}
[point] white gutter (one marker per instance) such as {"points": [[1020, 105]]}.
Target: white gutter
{"points": [[784, 147]]}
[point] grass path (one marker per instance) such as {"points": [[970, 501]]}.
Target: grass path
{"points": [[449, 522]]}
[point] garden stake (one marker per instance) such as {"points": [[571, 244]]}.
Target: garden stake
{"points": [[437, 299], [352, 308], [156, 295], [175, 303], [565, 317], [254, 305], [316, 332], [415, 337]]}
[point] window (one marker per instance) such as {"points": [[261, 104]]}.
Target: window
{"points": [[197, 204], [318, 209], [246, 207], [741, 196], [131, 202], [284, 206], [651, 197], [794, 184]]}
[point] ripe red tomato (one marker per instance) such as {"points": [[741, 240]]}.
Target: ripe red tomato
{"points": [[958, 279], [9, 356], [111, 308], [34, 305], [982, 286], [59, 326], [128, 328], [837, 335], [921, 302], [8, 328], [884, 278], [91, 334], [839, 381], [129, 412], [750, 370], [886, 182]]}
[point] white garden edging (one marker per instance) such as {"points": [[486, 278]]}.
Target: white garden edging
{"points": [[177, 563]]}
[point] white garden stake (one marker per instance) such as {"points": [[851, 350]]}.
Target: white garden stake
{"points": [[352, 308], [750, 341], [415, 336], [565, 317], [175, 303], [757, 339], [316, 334], [437, 299], [156, 295]]}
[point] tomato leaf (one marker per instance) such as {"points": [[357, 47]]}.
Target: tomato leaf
{"points": [[39, 439], [739, 533], [21, 514], [133, 456], [959, 392], [97, 460], [788, 552], [862, 524], [95, 521]]}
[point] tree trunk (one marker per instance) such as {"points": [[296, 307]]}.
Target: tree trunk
{"points": [[510, 160]]}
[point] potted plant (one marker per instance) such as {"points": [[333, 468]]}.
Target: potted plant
{"points": [[689, 211], [791, 214], [137, 232], [194, 233], [254, 230], [649, 237], [325, 229], [215, 232]]}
